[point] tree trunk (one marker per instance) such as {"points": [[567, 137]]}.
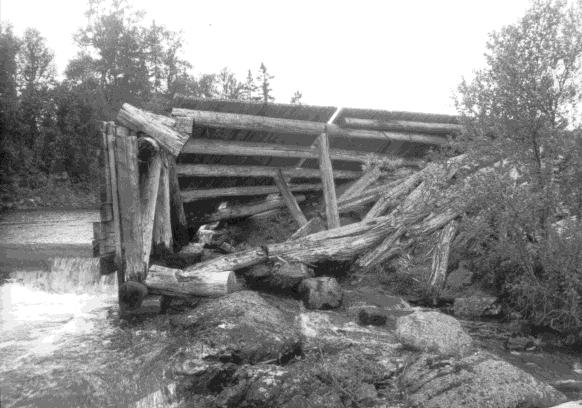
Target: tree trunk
{"points": [[440, 258], [162, 232], [331, 211]]}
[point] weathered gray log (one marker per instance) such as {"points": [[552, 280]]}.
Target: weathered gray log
{"points": [[230, 262], [177, 214], [162, 231], [440, 257], [171, 282], [133, 266], [289, 199], [402, 125], [330, 199], [219, 170], [238, 148], [313, 225], [291, 126], [245, 210], [361, 184], [155, 126], [389, 198], [367, 197], [148, 190], [193, 195]]}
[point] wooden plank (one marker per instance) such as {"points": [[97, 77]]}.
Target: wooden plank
{"points": [[245, 210], [218, 170], [402, 125], [133, 267], [331, 211], [361, 184], [155, 126], [289, 199], [162, 233], [238, 148], [179, 223], [290, 126], [193, 195], [149, 185]]}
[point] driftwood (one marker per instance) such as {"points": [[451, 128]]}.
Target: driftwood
{"points": [[329, 196], [172, 282]]}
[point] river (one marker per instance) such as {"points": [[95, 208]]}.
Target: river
{"points": [[62, 343]]}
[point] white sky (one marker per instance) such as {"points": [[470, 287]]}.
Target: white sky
{"points": [[397, 55]]}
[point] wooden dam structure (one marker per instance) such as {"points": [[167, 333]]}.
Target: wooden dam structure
{"points": [[164, 176]]}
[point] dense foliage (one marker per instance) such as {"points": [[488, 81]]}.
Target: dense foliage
{"points": [[48, 139], [520, 113]]}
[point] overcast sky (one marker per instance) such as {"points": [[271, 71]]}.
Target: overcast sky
{"points": [[397, 55]]}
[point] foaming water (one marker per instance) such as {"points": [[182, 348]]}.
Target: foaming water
{"points": [[62, 343]]}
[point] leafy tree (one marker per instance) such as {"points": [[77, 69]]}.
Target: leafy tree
{"points": [[229, 86], [9, 46], [264, 81], [516, 111]]}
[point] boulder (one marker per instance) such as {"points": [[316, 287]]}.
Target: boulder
{"points": [[570, 404], [477, 306], [478, 380], [241, 327], [320, 293], [433, 331]]}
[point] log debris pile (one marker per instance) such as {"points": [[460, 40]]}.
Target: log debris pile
{"points": [[143, 217]]}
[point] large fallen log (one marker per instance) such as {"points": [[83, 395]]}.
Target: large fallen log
{"points": [[171, 282], [290, 126]]}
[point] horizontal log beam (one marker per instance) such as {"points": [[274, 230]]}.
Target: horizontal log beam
{"points": [[193, 195], [402, 125], [245, 210], [170, 282], [218, 170], [237, 148], [188, 118]]}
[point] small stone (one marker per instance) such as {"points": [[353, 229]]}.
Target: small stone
{"points": [[321, 293]]}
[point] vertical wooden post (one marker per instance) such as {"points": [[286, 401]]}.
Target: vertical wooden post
{"points": [[331, 211], [149, 184], [163, 241], [289, 198], [132, 266], [178, 216], [110, 135]]}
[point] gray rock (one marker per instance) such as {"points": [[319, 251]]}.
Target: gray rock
{"points": [[570, 404], [477, 306], [433, 331], [478, 380], [321, 293], [240, 327]]}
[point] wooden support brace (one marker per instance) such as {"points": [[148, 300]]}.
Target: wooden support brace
{"points": [[162, 233], [331, 211], [289, 199], [177, 214], [149, 185]]}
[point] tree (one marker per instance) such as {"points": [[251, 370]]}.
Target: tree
{"points": [[517, 111], [264, 81], [249, 88], [228, 85], [296, 98], [9, 46]]}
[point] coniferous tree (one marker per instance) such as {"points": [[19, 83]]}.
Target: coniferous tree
{"points": [[264, 81]]}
